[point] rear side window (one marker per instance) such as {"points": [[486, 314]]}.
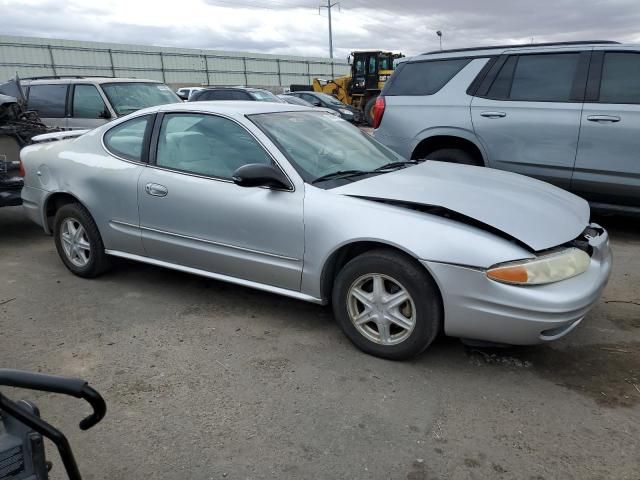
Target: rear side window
{"points": [[48, 100], [620, 78], [544, 78], [127, 139], [424, 78]]}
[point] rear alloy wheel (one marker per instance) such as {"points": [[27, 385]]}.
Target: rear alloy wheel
{"points": [[78, 241], [453, 155], [387, 305]]}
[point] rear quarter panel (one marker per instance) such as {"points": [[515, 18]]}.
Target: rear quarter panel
{"points": [[408, 120], [106, 186]]}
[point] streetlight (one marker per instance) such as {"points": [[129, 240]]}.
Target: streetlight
{"points": [[439, 33]]}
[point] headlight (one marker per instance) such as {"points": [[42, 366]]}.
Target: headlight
{"points": [[345, 111], [544, 269]]}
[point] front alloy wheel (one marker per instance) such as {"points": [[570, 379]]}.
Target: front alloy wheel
{"points": [[387, 304], [381, 309]]}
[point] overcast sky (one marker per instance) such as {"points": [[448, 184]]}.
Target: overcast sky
{"points": [[295, 27]]}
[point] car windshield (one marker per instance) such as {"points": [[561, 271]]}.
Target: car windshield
{"points": [[296, 100], [127, 97], [265, 96], [329, 99], [303, 138]]}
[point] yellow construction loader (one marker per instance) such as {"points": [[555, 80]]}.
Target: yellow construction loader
{"points": [[369, 71]]}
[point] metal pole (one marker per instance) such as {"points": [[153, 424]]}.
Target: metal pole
{"points": [[53, 62], [330, 31], [113, 68], [164, 80]]}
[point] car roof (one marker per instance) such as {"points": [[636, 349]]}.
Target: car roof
{"points": [[500, 49], [231, 108], [98, 80], [246, 89]]}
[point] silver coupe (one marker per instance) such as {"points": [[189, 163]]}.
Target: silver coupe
{"points": [[301, 203]]}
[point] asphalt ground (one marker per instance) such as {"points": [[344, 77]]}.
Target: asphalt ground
{"points": [[206, 380]]}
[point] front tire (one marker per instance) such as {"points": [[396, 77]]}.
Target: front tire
{"points": [[78, 241], [387, 305]]}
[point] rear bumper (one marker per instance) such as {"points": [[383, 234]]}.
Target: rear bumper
{"points": [[10, 197], [32, 203], [481, 309]]}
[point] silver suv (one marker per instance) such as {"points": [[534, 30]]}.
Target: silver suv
{"points": [[567, 113], [88, 102]]}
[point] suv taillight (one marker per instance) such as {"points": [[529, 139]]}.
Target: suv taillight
{"points": [[378, 111], [22, 172]]}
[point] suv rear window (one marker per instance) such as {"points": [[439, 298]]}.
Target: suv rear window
{"points": [[536, 78], [424, 78], [48, 100], [620, 74]]}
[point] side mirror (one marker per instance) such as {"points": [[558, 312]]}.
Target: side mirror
{"points": [[105, 114], [183, 96], [316, 103], [260, 175]]}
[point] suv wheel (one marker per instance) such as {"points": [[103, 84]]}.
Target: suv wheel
{"points": [[453, 155], [78, 241], [387, 306]]}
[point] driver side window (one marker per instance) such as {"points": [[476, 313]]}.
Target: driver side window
{"points": [[206, 145]]}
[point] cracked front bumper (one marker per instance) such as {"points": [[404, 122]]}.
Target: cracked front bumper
{"points": [[482, 309]]}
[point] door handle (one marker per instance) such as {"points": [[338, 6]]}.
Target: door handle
{"points": [[156, 190], [603, 118], [493, 114]]}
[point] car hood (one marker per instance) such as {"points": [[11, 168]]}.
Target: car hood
{"points": [[535, 213]]}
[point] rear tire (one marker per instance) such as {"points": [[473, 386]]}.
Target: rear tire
{"points": [[387, 305], [368, 110], [78, 241], [453, 155]]}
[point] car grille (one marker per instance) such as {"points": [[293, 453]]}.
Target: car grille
{"points": [[11, 463]]}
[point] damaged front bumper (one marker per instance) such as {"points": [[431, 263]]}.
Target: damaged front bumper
{"points": [[482, 309]]}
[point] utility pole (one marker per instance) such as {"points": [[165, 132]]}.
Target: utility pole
{"points": [[329, 6]]}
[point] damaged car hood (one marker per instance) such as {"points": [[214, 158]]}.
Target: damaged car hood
{"points": [[535, 213]]}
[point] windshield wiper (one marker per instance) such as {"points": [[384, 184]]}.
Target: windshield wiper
{"points": [[396, 165], [339, 174]]}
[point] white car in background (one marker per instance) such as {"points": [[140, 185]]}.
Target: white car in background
{"points": [[185, 92]]}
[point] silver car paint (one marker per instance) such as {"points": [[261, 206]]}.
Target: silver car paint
{"points": [[259, 236], [514, 204]]}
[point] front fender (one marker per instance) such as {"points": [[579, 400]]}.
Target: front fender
{"points": [[333, 221]]}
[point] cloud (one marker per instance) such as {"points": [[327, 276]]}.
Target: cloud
{"points": [[294, 27]]}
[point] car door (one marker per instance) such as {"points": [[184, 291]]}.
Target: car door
{"points": [[192, 213], [607, 166], [528, 117], [88, 109], [50, 102]]}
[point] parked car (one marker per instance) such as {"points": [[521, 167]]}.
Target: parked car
{"points": [[88, 102], [319, 99], [566, 113], [17, 127], [252, 193], [293, 100], [234, 93], [185, 92]]}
